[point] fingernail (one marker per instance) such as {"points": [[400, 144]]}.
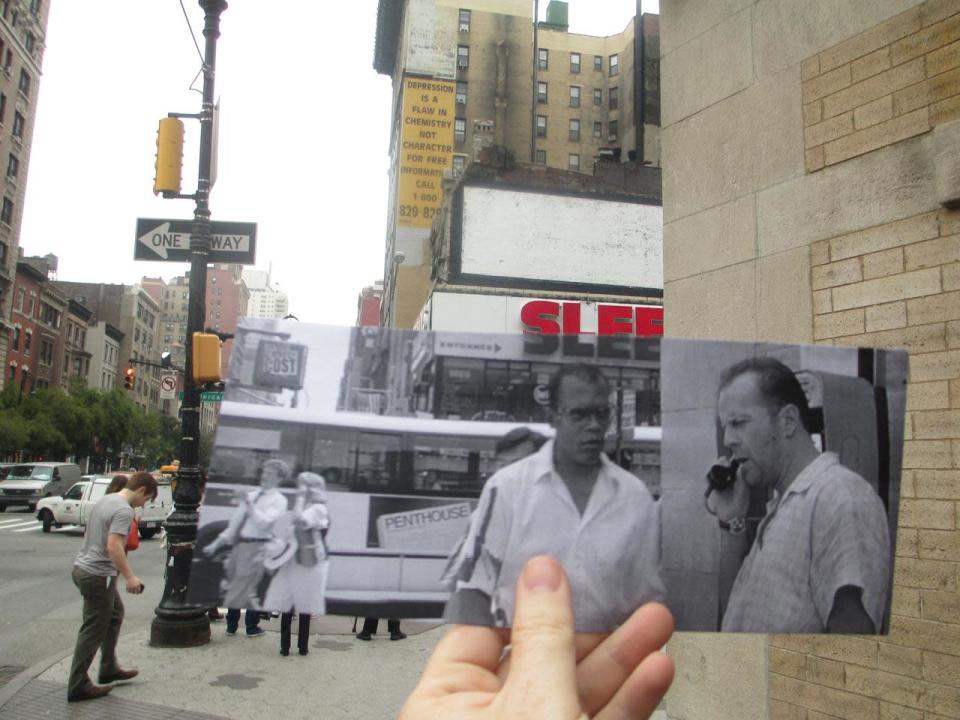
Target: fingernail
{"points": [[542, 574]]}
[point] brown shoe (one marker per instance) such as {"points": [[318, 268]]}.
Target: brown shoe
{"points": [[91, 693], [118, 676]]}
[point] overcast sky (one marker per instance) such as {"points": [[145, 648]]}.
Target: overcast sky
{"points": [[304, 134]]}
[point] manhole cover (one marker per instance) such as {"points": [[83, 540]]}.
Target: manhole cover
{"points": [[237, 682], [332, 645]]}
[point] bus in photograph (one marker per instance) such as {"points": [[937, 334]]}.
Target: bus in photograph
{"points": [[400, 494]]}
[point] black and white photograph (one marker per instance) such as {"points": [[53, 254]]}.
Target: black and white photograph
{"points": [[781, 483], [382, 473]]}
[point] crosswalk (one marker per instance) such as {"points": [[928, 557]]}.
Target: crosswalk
{"points": [[22, 523]]}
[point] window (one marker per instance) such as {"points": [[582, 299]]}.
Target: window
{"points": [[541, 125], [35, 6], [29, 42], [543, 59], [614, 129], [19, 299], [574, 130], [598, 63], [3, 107], [461, 93], [573, 163], [598, 130], [614, 65], [574, 96], [614, 96], [27, 341], [24, 85], [16, 339], [8, 62], [46, 352], [18, 123], [459, 130], [541, 92], [463, 56], [598, 96], [459, 163], [6, 211], [464, 21], [13, 166], [574, 62], [541, 157]]}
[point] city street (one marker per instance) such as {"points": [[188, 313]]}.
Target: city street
{"points": [[41, 604]]}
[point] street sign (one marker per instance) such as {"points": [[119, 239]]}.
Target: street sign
{"points": [[206, 396], [169, 240], [168, 387]]}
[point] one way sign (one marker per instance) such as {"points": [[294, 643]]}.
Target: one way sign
{"points": [[230, 242]]}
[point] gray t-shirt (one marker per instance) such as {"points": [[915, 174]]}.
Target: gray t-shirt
{"points": [[111, 514]]}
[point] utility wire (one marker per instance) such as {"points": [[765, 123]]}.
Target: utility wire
{"points": [[193, 37]]}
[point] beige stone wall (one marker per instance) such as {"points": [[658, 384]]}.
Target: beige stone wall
{"points": [[799, 206], [896, 80]]}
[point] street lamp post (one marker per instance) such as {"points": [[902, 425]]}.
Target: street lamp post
{"points": [[398, 257], [177, 622]]}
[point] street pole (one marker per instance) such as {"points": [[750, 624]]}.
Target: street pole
{"points": [[177, 622]]}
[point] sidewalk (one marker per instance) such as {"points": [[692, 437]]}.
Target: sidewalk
{"points": [[239, 678]]}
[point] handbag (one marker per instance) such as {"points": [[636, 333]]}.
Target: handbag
{"points": [[306, 545], [133, 536]]}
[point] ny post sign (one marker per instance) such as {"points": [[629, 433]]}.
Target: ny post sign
{"points": [[280, 364]]}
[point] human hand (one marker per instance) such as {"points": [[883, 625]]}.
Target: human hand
{"points": [[732, 502], [134, 586], [549, 673], [211, 549]]}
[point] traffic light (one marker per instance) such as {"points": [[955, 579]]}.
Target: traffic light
{"points": [[206, 357], [129, 377], [169, 156]]}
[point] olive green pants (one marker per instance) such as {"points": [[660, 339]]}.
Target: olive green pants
{"points": [[102, 618]]}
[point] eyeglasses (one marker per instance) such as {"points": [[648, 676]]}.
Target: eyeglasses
{"points": [[601, 414]]}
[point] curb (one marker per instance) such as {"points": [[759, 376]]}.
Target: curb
{"points": [[17, 683]]}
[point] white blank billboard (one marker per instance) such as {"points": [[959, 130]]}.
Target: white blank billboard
{"points": [[528, 235]]}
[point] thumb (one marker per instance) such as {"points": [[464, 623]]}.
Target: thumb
{"points": [[542, 681]]}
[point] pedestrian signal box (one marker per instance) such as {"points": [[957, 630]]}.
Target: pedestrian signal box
{"points": [[169, 163], [206, 357]]}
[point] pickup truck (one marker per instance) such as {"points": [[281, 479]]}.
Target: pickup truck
{"points": [[73, 507]]}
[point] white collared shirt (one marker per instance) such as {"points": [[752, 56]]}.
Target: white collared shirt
{"points": [[611, 553], [829, 530]]}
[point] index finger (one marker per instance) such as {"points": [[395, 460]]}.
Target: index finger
{"points": [[601, 673]]}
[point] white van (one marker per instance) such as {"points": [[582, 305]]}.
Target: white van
{"points": [[74, 506], [27, 483]]}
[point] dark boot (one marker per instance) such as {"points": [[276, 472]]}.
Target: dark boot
{"points": [[395, 632], [285, 621], [303, 634]]}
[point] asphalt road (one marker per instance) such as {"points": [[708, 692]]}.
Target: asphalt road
{"points": [[41, 606]]}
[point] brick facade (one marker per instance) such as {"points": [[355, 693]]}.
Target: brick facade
{"points": [[894, 81], [895, 284]]}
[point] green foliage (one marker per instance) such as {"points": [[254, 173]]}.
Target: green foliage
{"points": [[51, 424]]}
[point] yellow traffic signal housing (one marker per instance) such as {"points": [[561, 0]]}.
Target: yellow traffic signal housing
{"points": [[169, 156], [206, 357], [129, 378]]}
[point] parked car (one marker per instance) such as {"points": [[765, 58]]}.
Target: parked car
{"points": [[74, 506], [27, 483]]}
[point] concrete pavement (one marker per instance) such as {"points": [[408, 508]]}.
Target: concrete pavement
{"points": [[240, 678]]}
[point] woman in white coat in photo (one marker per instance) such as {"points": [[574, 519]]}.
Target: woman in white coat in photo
{"points": [[299, 554]]}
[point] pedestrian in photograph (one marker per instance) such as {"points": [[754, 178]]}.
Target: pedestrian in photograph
{"points": [[516, 445], [298, 554], [101, 559], [821, 558], [371, 624], [251, 622], [247, 533], [567, 500]]}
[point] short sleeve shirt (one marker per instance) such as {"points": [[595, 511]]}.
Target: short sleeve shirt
{"points": [[611, 553], [111, 515], [828, 530]]}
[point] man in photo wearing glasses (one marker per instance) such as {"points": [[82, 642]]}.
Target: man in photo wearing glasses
{"points": [[569, 501]]}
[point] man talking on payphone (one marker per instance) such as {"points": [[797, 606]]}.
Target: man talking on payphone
{"points": [[820, 558]]}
